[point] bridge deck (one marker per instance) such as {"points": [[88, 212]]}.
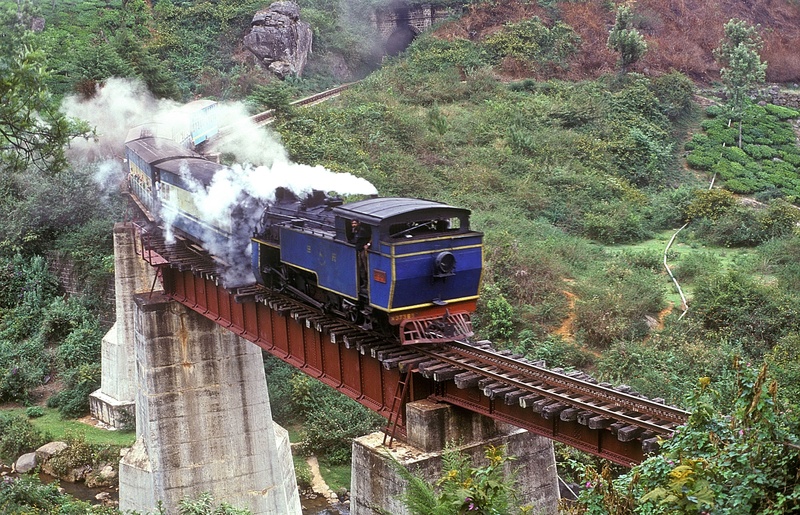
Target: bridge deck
{"points": [[367, 368]]}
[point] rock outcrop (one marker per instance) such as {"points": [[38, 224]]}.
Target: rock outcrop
{"points": [[279, 39]]}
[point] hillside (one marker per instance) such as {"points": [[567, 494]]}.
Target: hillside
{"points": [[681, 34]]}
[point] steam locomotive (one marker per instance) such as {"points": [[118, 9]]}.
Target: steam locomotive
{"points": [[402, 266]]}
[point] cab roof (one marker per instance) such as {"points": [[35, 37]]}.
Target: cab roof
{"points": [[389, 210]]}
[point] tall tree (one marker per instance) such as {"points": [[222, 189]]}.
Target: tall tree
{"points": [[32, 129], [741, 67], [625, 39]]}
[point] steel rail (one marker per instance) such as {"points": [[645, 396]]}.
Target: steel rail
{"points": [[524, 375]]}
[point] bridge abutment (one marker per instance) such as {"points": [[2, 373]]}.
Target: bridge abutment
{"points": [[431, 427], [203, 418]]}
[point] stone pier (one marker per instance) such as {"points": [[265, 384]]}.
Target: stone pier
{"points": [[112, 404], [203, 419], [431, 427]]}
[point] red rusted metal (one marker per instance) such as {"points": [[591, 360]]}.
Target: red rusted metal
{"points": [[598, 442], [293, 340], [363, 378]]}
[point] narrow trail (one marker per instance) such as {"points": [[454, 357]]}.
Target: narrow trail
{"points": [[318, 484]]}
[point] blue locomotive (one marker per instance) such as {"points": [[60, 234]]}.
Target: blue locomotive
{"points": [[404, 266]]}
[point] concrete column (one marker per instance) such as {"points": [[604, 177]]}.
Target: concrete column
{"points": [[113, 402], [431, 426], [203, 419]]}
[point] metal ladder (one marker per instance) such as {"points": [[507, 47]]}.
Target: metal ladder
{"points": [[397, 405]]}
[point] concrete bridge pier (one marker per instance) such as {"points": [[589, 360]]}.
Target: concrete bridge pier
{"points": [[203, 419], [113, 403], [431, 426]]}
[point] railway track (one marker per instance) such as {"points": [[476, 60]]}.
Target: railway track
{"points": [[268, 116]]}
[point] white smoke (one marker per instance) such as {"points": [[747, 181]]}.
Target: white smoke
{"points": [[263, 165]]}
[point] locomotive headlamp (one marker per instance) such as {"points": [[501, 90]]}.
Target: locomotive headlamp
{"points": [[445, 264]]}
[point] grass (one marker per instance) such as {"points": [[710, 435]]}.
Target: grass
{"points": [[336, 476], [58, 428], [682, 248]]}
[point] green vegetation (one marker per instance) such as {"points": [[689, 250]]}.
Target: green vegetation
{"points": [[464, 488], [57, 428], [738, 55], [743, 463], [625, 39], [329, 419], [768, 162], [577, 186], [28, 495]]}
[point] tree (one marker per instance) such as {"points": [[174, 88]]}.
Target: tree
{"points": [[32, 130], [740, 65], [746, 461], [625, 39]]}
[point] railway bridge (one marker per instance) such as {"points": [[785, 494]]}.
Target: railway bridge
{"points": [[179, 357]]}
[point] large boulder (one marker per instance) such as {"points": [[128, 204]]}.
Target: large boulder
{"points": [[48, 450], [279, 39], [25, 463]]}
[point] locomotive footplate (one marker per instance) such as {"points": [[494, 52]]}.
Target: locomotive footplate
{"points": [[440, 329]]}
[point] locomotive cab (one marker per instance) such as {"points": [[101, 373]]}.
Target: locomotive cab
{"points": [[423, 265]]}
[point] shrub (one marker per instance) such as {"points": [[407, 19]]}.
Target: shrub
{"points": [[617, 222], [782, 112], [34, 412], [710, 204], [532, 40], [332, 419], [702, 159], [555, 351], [742, 460], [79, 453], [784, 365], [692, 265], [495, 316], [675, 92], [738, 304], [760, 151], [73, 400], [27, 494], [206, 504], [18, 378], [614, 305], [463, 487], [18, 436]]}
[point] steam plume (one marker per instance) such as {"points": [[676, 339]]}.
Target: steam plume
{"points": [[122, 104]]}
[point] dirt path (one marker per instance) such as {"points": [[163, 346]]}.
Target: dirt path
{"points": [[317, 483]]}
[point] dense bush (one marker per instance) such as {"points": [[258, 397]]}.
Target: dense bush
{"points": [[616, 304], [73, 400], [555, 351], [17, 437], [532, 41], [736, 303], [27, 494], [331, 419], [743, 459], [669, 363]]}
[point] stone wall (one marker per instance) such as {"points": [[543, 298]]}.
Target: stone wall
{"points": [[783, 97]]}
